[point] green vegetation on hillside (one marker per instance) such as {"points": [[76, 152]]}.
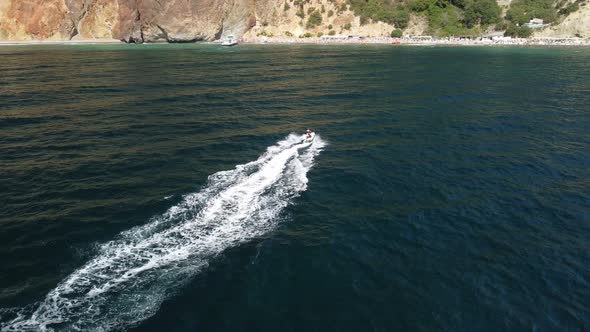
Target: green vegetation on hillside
{"points": [[300, 12], [315, 19], [570, 8], [306, 35], [401, 18], [396, 33], [565, 8], [376, 10], [265, 34], [484, 12], [445, 17], [522, 11], [518, 31]]}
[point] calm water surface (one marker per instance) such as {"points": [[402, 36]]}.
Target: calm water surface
{"points": [[449, 189]]}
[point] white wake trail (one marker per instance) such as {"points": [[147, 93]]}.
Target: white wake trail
{"points": [[130, 276]]}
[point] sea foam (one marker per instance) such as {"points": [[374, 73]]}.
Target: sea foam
{"points": [[131, 276]]}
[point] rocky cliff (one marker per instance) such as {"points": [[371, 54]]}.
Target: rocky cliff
{"points": [[174, 20], [194, 20], [128, 20]]}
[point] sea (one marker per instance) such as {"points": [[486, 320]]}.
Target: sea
{"points": [[167, 187]]}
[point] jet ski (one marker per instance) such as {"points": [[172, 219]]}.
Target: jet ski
{"points": [[309, 138]]}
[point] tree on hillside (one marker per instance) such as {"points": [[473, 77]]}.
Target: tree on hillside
{"points": [[396, 33], [376, 10], [459, 3], [315, 19], [521, 32], [521, 11], [481, 12], [401, 17]]}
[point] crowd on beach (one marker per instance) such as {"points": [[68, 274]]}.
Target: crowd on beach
{"points": [[422, 40]]}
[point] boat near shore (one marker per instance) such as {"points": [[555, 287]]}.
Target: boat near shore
{"points": [[229, 41]]}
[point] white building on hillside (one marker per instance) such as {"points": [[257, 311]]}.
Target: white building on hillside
{"points": [[535, 23]]}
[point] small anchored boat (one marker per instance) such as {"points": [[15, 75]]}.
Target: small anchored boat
{"points": [[229, 41]]}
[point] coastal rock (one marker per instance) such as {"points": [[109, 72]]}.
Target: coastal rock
{"points": [[35, 19], [97, 18], [138, 21], [188, 21], [174, 20], [128, 20], [128, 25]]}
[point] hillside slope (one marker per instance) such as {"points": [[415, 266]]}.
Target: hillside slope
{"points": [[315, 17], [575, 24], [194, 20]]}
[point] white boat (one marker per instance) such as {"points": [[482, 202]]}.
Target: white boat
{"points": [[310, 138], [229, 41]]}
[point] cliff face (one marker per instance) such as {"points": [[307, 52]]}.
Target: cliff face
{"points": [[129, 20], [193, 20], [173, 20], [44, 19]]}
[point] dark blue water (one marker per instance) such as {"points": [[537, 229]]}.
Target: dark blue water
{"points": [[448, 189]]}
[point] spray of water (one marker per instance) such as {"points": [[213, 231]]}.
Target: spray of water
{"points": [[130, 276]]}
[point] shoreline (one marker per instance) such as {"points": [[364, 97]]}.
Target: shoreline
{"points": [[342, 40], [60, 42], [410, 41]]}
